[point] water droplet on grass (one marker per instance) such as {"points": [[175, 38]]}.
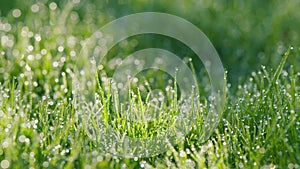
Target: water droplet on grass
{"points": [[45, 164], [35, 8], [4, 164], [53, 6], [16, 13]]}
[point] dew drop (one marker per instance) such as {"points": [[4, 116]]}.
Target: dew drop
{"points": [[4, 164], [35, 8], [16, 13], [53, 6]]}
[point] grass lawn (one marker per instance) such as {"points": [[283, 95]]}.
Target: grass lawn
{"points": [[59, 109]]}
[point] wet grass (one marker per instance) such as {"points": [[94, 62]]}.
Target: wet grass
{"points": [[44, 123]]}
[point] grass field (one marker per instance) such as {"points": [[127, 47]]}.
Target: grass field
{"points": [[45, 123]]}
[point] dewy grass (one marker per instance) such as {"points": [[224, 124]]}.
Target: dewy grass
{"points": [[258, 129], [43, 123]]}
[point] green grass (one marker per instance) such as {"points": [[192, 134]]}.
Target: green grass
{"points": [[44, 123]]}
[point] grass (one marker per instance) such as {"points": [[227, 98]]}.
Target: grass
{"points": [[45, 124]]}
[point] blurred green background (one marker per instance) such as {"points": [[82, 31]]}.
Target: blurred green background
{"points": [[246, 34]]}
